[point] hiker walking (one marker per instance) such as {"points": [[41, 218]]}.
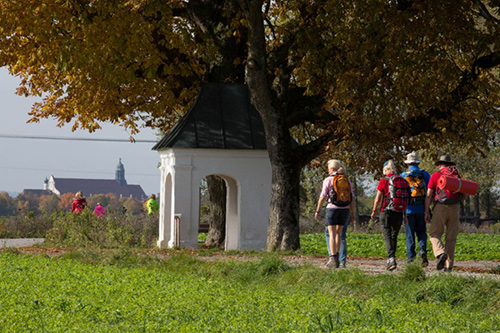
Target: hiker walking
{"points": [[99, 211], [152, 205], [79, 203], [337, 190], [418, 180], [445, 214], [343, 241], [392, 194]]}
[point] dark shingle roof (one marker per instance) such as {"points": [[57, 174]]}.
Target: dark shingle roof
{"points": [[29, 191], [98, 186], [221, 118]]}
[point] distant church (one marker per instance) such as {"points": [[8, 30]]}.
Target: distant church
{"points": [[90, 187]]}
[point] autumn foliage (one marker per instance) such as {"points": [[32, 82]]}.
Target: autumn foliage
{"points": [[361, 80]]}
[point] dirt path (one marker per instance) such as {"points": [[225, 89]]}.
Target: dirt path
{"points": [[372, 266], [377, 266]]}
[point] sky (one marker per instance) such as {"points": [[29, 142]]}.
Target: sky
{"points": [[25, 163]]}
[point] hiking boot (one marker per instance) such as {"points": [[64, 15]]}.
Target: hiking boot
{"points": [[337, 262], [331, 262], [425, 261], [441, 261], [410, 260], [342, 265], [391, 264]]}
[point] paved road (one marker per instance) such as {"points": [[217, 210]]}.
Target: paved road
{"points": [[20, 242]]}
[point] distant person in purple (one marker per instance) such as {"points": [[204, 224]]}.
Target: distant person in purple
{"points": [[99, 211]]}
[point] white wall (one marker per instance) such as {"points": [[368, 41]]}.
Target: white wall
{"points": [[248, 178]]}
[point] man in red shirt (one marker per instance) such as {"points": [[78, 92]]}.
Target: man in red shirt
{"points": [[445, 214]]}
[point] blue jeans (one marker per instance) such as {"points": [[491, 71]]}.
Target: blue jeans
{"points": [[343, 243], [416, 225]]}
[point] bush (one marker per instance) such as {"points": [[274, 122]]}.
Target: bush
{"points": [[413, 272], [272, 265], [27, 226], [114, 231], [495, 228]]}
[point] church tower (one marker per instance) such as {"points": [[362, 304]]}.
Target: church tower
{"points": [[120, 173]]}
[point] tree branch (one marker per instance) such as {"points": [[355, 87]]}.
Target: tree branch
{"points": [[484, 12], [404, 4], [305, 153], [301, 109], [488, 61]]}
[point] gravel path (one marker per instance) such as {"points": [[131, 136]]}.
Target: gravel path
{"points": [[377, 266], [371, 266]]}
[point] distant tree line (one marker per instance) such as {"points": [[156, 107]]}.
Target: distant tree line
{"points": [[48, 204]]}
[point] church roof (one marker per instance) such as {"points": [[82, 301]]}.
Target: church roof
{"points": [[221, 118], [30, 191], [98, 186]]}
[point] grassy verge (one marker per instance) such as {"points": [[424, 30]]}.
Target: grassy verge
{"points": [[118, 291]]}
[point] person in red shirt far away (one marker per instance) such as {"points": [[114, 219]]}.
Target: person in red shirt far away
{"points": [[445, 214], [79, 203], [391, 194]]}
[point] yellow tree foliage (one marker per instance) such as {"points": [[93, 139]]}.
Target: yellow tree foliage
{"points": [[359, 79], [65, 202], [48, 203]]}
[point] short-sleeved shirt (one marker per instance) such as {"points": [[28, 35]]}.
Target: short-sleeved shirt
{"points": [[326, 189], [383, 186], [420, 207], [433, 182]]}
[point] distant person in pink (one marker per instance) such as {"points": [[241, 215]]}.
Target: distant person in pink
{"points": [[99, 211], [79, 203]]}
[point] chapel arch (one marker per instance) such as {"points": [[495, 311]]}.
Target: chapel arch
{"points": [[231, 202]]}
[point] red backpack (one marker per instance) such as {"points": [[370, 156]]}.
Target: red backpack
{"points": [[448, 197], [399, 194]]}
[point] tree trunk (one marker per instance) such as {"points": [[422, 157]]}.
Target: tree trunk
{"points": [[477, 213], [283, 230], [355, 185], [488, 203], [217, 218]]}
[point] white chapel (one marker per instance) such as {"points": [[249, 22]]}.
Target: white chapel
{"points": [[222, 134]]}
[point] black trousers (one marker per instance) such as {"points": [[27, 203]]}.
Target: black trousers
{"points": [[391, 224]]}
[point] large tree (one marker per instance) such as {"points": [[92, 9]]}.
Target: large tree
{"points": [[361, 79]]}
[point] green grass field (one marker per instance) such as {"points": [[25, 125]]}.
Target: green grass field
{"points": [[469, 246], [117, 291]]}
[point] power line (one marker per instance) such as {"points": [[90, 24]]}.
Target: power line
{"points": [[73, 171], [37, 137]]}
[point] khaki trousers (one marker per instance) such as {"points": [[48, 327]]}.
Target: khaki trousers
{"points": [[445, 218]]}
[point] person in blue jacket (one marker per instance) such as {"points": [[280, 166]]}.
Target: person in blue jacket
{"points": [[418, 180]]}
